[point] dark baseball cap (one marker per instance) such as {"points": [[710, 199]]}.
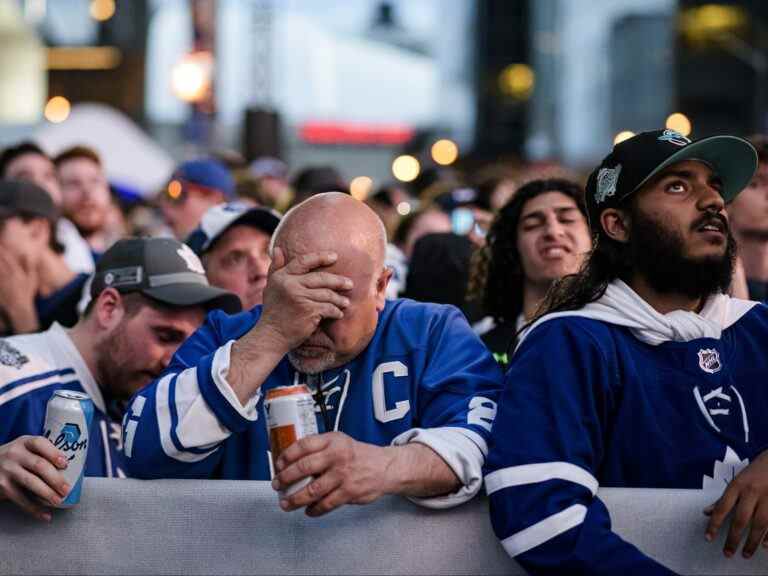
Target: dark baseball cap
{"points": [[635, 161], [23, 197], [220, 218], [163, 269]]}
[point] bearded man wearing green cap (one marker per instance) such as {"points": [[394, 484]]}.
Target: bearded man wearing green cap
{"points": [[641, 372]]}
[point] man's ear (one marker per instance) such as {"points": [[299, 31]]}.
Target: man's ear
{"points": [[109, 309], [381, 287], [615, 224]]}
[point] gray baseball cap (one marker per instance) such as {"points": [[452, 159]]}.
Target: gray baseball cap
{"points": [[163, 269], [22, 197]]}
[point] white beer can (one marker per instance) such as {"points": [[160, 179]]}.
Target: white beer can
{"points": [[68, 419]]}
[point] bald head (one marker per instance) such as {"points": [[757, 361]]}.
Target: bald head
{"points": [[333, 221]]}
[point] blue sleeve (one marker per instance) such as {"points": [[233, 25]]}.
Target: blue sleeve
{"points": [[175, 426], [24, 394], [461, 382], [546, 449], [22, 416], [458, 388]]}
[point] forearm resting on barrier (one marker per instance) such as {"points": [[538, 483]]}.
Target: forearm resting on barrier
{"points": [[346, 471]]}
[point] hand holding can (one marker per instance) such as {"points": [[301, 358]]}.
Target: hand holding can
{"points": [[290, 412], [68, 418]]}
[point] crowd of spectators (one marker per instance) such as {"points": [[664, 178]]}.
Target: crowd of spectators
{"points": [[112, 284]]}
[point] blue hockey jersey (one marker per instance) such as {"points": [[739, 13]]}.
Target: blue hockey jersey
{"points": [[424, 377], [588, 403], [32, 367]]}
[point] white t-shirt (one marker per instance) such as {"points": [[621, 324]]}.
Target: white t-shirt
{"points": [[77, 252]]}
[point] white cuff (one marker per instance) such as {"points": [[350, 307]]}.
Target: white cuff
{"points": [[462, 449], [219, 371]]}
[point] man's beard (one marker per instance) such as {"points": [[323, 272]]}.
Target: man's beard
{"points": [[312, 365], [115, 373], [659, 255]]}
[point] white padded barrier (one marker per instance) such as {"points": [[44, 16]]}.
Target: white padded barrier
{"points": [[227, 527]]}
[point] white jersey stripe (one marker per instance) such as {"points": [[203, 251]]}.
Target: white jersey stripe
{"points": [[475, 437], [107, 455], [29, 387], [544, 530], [219, 370], [197, 426], [163, 412], [130, 434], [535, 473], [458, 450]]}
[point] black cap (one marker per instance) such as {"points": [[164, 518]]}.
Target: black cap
{"points": [[163, 269], [633, 162], [22, 197]]}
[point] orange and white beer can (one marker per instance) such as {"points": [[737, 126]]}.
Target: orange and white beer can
{"points": [[290, 412]]}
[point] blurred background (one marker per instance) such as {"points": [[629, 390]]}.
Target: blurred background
{"points": [[383, 90]]}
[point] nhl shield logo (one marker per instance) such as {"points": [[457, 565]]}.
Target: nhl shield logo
{"points": [[709, 360]]}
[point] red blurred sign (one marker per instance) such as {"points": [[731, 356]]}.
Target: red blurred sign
{"points": [[355, 134]]}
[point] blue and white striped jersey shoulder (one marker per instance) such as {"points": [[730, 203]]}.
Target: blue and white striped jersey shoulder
{"points": [[588, 404], [28, 377], [32, 367], [25, 368]]}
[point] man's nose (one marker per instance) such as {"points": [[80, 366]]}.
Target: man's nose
{"points": [[168, 353], [711, 200], [553, 228]]}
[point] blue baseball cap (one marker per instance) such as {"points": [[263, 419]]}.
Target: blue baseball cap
{"points": [[220, 218], [208, 173]]}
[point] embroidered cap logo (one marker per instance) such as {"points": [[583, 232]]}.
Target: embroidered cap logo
{"points": [[674, 137], [607, 180], [190, 259], [709, 360]]}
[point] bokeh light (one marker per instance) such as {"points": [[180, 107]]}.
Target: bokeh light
{"points": [[445, 152], [174, 189], [360, 187], [404, 208], [623, 135], [517, 80], [406, 168], [191, 76], [102, 10], [710, 22], [680, 123], [57, 109]]}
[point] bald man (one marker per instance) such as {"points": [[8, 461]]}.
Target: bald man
{"points": [[404, 392]]}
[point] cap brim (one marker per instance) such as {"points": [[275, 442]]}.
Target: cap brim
{"points": [[733, 159], [196, 295], [263, 219]]}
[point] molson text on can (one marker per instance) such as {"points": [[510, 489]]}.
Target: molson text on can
{"points": [[290, 413], [68, 419]]}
